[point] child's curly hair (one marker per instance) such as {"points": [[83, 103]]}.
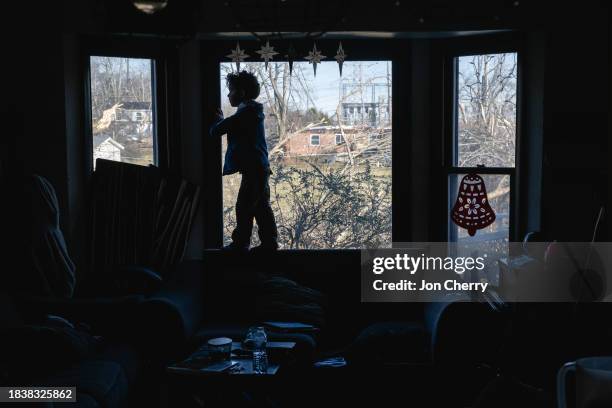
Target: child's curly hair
{"points": [[244, 81]]}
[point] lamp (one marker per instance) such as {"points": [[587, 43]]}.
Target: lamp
{"points": [[150, 6]]}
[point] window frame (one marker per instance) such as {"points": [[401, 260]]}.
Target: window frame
{"points": [[166, 152], [398, 52], [312, 136], [341, 139], [487, 45]]}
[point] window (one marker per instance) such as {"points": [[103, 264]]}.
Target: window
{"points": [[117, 85], [486, 110], [325, 193], [484, 141]]}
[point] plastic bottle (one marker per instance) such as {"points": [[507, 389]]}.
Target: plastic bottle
{"points": [[260, 357]]}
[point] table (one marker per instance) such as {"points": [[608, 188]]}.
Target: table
{"points": [[278, 352], [190, 382]]}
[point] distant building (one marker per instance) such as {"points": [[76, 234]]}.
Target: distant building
{"points": [[332, 143], [134, 112], [129, 122], [106, 148]]}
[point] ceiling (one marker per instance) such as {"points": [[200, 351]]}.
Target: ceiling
{"points": [[323, 18]]}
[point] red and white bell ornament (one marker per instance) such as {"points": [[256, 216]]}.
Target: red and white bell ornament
{"points": [[472, 210]]}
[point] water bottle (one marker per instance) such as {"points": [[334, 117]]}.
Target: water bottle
{"points": [[260, 358]]}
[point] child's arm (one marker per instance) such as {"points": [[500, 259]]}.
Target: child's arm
{"points": [[222, 126]]}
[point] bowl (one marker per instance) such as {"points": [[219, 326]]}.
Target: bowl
{"points": [[220, 348]]}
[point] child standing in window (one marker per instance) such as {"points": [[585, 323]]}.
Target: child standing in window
{"points": [[247, 153]]}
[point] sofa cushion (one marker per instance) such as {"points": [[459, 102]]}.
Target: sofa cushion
{"points": [[390, 343], [39, 348], [173, 314], [281, 299], [128, 357], [84, 400], [104, 381]]}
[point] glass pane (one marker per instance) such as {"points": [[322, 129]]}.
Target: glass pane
{"points": [[486, 110], [492, 240], [335, 192], [122, 109]]}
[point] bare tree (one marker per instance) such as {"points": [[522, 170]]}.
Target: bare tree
{"points": [[117, 80]]}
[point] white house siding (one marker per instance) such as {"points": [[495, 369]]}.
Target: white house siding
{"points": [[107, 151]]}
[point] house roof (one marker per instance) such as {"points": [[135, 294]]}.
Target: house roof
{"points": [[326, 128], [136, 105], [99, 139], [337, 129]]}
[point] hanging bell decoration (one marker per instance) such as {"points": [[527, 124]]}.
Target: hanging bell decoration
{"points": [[472, 210]]}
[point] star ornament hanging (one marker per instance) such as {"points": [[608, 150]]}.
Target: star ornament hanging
{"points": [[314, 57], [291, 56], [340, 57], [267, 53], [237, 55]]}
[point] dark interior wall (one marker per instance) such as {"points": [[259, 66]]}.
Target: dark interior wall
{"points": [[532, 71], [213, 189], [42, 146], [36, 90], [43, 92], [609, 189], [75, 182], [421, 135], [191, 133], [576, 106]]}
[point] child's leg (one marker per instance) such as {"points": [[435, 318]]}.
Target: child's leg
{"points": [[268, 234], [245, 212]]}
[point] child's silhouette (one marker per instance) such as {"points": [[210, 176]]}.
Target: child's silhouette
{"points": [[247, 153]]}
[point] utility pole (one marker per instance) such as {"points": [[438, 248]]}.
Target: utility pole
{"points": [[127, 80]]}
